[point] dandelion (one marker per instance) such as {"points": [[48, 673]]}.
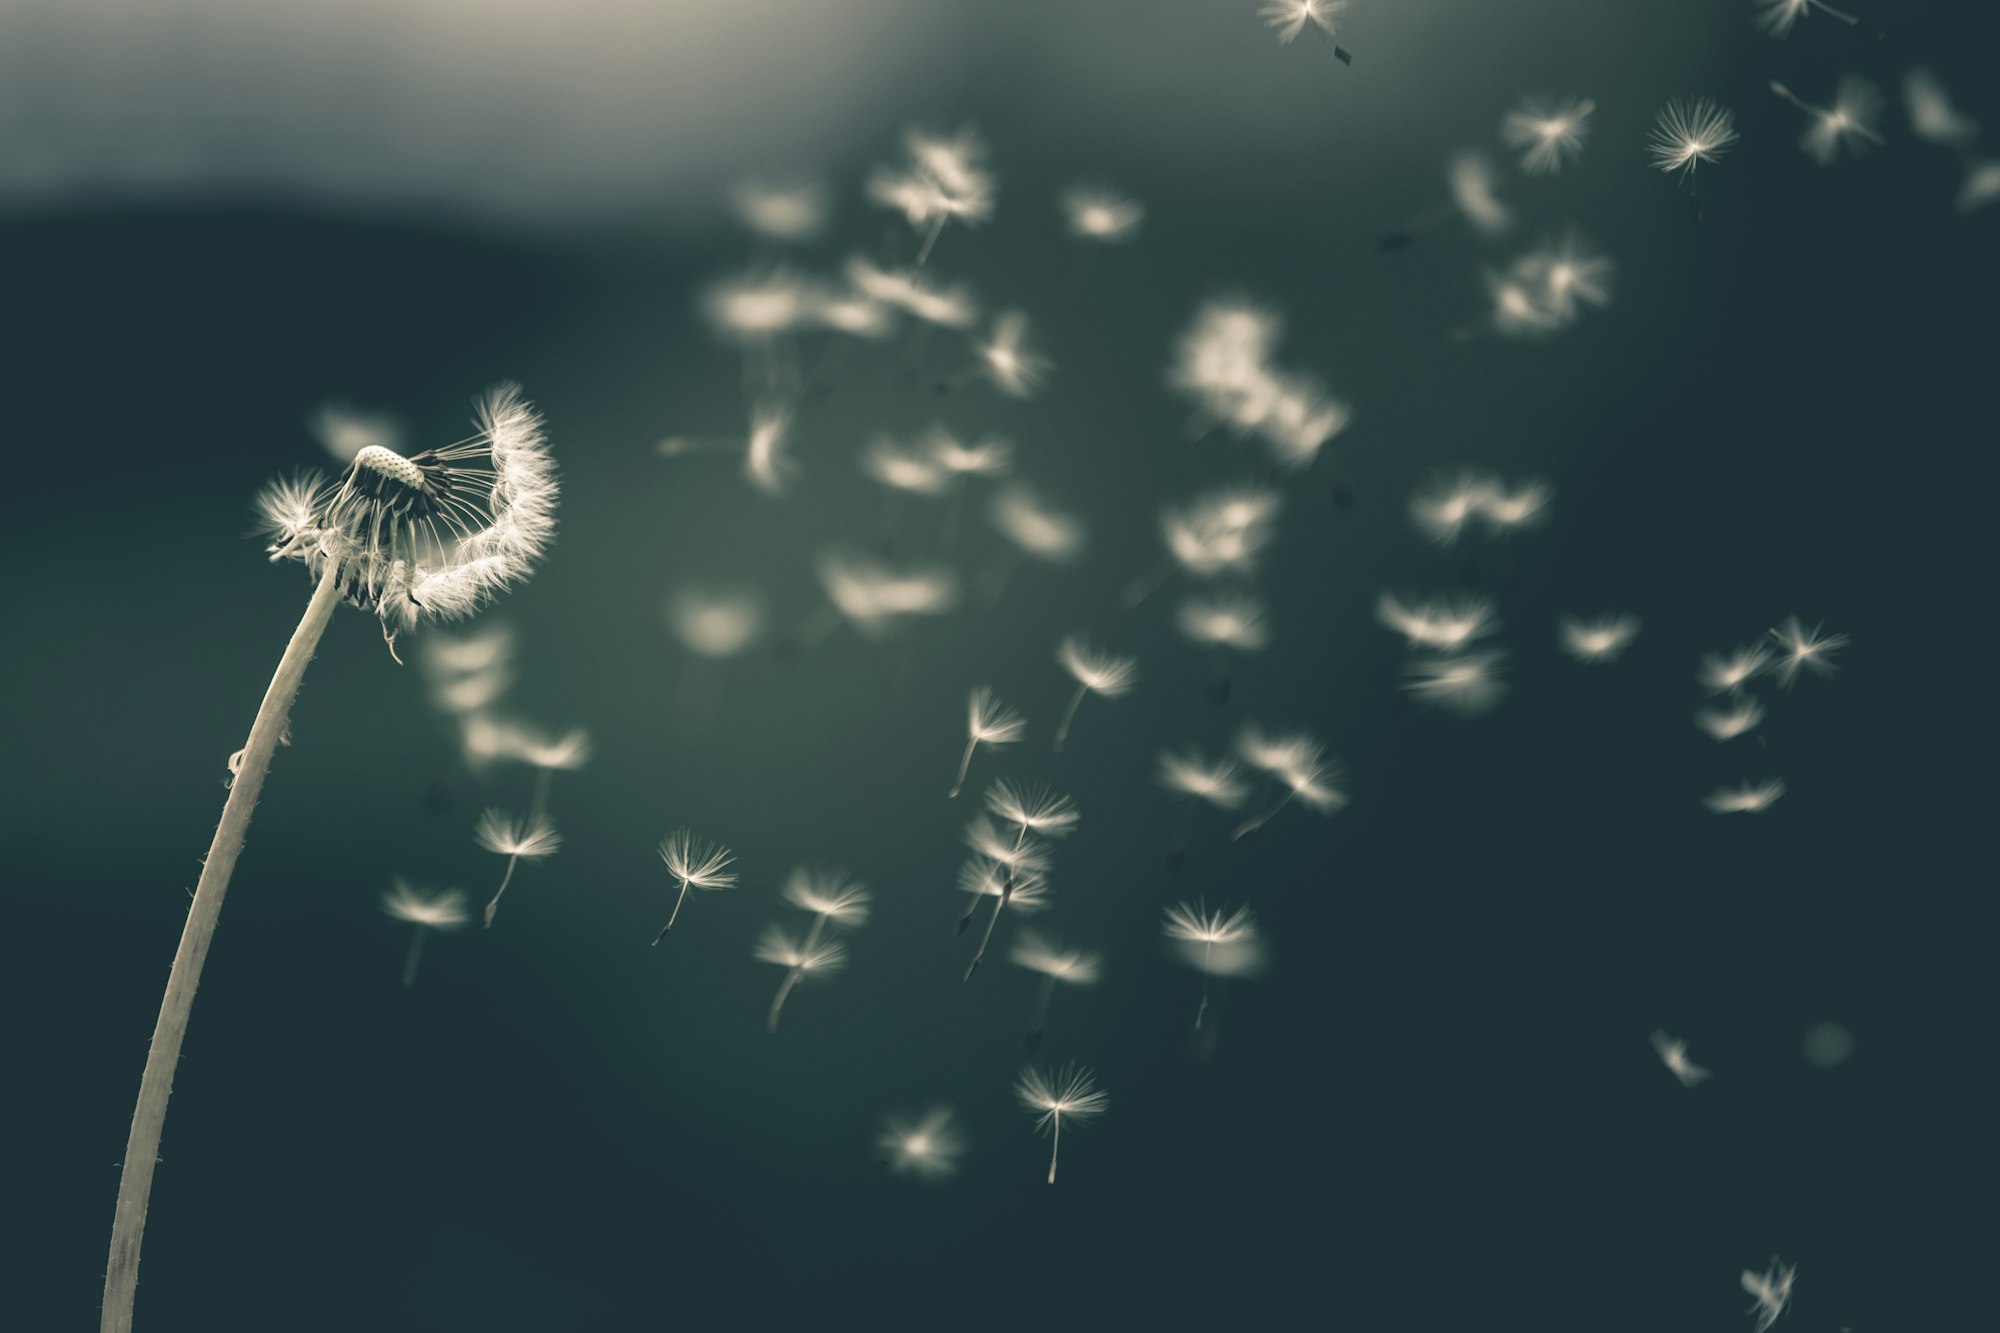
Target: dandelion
{"points": [[987, 722], [429, 536], [1010, 359], [1674, 1055], [990, 457], [716, 622], [1214, 781], [1772, 1289], [1446, 624], [874, 596], [1601, 639], [1222, 532], [1216, 944], [1071, 967], [756, 308], [425, 911], [1748, 799], [780, 210], [529, 839], [697, 864], [1095, 213], [1777, 17], [1299, 765], [1095, 672], [1802, 649], [765, 462], [1225, 620], [1722, 673], [1475, 192], [1548, 131], [1037, 529], [927, 1147], [1688, 132], [946, 178], [1516, 306], [1932, 116], [1726, 724], [1522, 507], [1564, 277], [1290, 17], [1017, 884], [1071, 1091], [1442, 510], [1848, 123], [906, 290], [1033, 812], [911, 468], [1467, 684], [802, 959]]}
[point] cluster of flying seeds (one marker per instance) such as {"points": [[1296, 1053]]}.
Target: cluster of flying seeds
{"points": [[1786, 651]]}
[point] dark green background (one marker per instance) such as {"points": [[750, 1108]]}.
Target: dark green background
{"points": [[1439, 1110]]}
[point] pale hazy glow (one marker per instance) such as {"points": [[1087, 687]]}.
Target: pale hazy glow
{"points": [[906, 290], [716, 622], [1932, 116], [874, 596], [1095, 213], [1467, 684], [1827, 1045], [1223, 363], [1037, 953], [905, 467], [1222, 531], [779, 946], [1848, 124], [1444, 624], [1442, 510], [757, 307], [1689, 131], [1749, 798], [1188, 773], [1802, 649], [1010, 359], [1673, 1054], [765, 462], [927, 1146], [1777, 17], [1772, 1290], [780, 210], [1290, 17], [1548, 289], [1475, 193], [1722, 673], [1038, 528], [1726, 724], [1597, 639], [1225, 620], [1548, 132], [989, 457], [444, 909], [344, 432]]}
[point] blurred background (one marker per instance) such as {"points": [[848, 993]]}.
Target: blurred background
{"points": [[1439, 1108]]}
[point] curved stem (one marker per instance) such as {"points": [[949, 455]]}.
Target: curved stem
{"points": [[494, 906], [674, 916], [958, 783], [1255, 822], [999, 905], [1069, 714], [1055, 1148], [156, 1085], [937, 230], [791, 980]]}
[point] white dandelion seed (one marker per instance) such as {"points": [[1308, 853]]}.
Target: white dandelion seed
{"points": [[800, 959], [1216, 781], [1442, 510], [1980, 186], [989, 457], [1225, 620], [1095, 672], [1010, 358], [697, 864], [1516, 306], [443, 910], [1777, 17], [911, 468], [1674, 1055], [1034, 813], [1095, 213], [1475, 192], [758, 307], [1038, 529], [927, 1146], [946, 179], [1468, 684], [1216, 944], [531, 839], [1298, 764], [1070, 967], [1505, 511], [1849, 123], [906, 290], [1548, 131], [428, 536], [765, 462], [1070, 1092], [1035, 810], [1446, 624], [1772, 1290], [1688, 132], [987, 722], [1597, 639], [785, 210], [1562, 278], [1014, 884], [873, 596], [1748, 799], [1802, 649], [1726, 724], [1221, 532], [834, 899], [1723, 673], [716, 622], [1932, 116]]}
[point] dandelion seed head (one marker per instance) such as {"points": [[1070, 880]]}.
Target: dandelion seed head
{"points": [[443, 910], [1095, 213], [1748, 799], [1220, 943], [529, 839], [1559, 280], [1034, 809], [1802, 649], [927, 1147], [1726, 724], [778, 946], [1848, 125], [1442, 509], [696, 862], [1548, 131], [1225, 620], [833, 894], [1525, 505], [1070, 1092], [1101, 673], [1190, 774], [1691, 131], [1722, 672], [990, 722], [1011, 361], [1039, 530], [1445, 624], [716, 622], [1597, 639], [1980, 187], [1224, 531], [1075, 967]]}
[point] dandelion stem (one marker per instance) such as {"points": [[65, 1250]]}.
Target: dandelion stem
{"points": [[937, 230], [410, 958], [494, 906], [999, 906], [1055, 1147], [777, 1004], [142, 1146], [1069, 715], [1139, 589], [1255, 822], [963, 765], [1840, 14], [674, 916]]}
